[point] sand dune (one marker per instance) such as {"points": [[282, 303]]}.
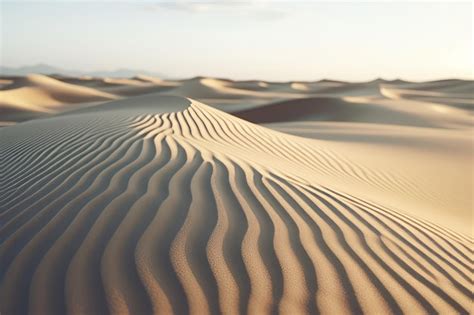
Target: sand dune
{"points": [[141, 209], [206, 88], [347, 198], [124, 87], [251, 85], [461, 95], [27, 97], [395, 101], [359, 109]]}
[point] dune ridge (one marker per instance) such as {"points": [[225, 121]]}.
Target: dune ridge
{"points": [[146, 209]]}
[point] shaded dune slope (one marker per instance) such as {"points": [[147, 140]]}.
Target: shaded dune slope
{"points": [[144, 210], [358, 109]]}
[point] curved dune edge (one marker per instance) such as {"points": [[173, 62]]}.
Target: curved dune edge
{"points": [[141, 211]]}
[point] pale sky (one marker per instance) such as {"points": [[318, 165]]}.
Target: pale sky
{"points": [[284, 40]]}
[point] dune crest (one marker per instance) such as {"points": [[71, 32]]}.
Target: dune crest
{"points": [[145, 209]]}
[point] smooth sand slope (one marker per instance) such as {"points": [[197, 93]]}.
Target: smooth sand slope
{"points": [[162, 204]]}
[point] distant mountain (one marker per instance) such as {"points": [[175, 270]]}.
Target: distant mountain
{"points": [[47, 69], [39, 68]]}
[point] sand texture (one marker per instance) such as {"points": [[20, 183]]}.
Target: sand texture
{"points": [[209, 196]]}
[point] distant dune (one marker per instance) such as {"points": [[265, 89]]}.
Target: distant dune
{"points": [[128, 196], [42, 94]]}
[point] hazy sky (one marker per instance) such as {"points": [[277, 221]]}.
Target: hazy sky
{"points": [[244, 40]]}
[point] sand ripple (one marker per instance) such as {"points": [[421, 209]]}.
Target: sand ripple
{"points": [[140, 211]]}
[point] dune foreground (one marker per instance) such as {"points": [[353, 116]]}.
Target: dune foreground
{"points": [[291, 198]]}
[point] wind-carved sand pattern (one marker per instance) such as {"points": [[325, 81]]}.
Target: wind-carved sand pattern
{"points": [[171, 206]]}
